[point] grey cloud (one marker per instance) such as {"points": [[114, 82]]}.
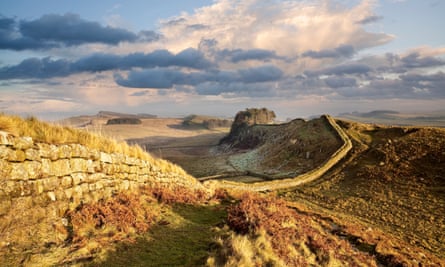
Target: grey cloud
{"points": [[47, 67], [167, 78], [70, 29], [351, 68], [36, 68], [260, 74], [414, 60], [337, 82], [54, 30], [370, 19], [341, 51], [238, 55]]}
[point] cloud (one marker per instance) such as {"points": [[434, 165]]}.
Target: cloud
{"points": [[53, 30], [238, 55], [349, 68], [289, 28], [36, 68], [48, 68], [370, 19], [338, 52], [70, 29], [337, 82], [415, 60], [164, 78]]}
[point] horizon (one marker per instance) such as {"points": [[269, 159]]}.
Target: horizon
{"points": [[298, 58]]}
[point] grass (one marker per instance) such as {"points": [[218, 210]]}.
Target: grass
{"points": [[44, 132], [183, 237]]}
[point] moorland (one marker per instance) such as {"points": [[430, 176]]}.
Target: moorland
{"points": [[381, 204]]}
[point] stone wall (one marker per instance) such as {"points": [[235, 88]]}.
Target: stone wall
{"points": [[298, 180], [41, 182]]}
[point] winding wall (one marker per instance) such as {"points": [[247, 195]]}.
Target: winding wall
{"points": [[298, 180]]}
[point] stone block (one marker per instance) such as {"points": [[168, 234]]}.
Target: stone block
{"points": [[16, 156], [18, 172], [85, 188], [94, 154], [60, 168], [51, 195], [79, 151], [5, 138], [68, 193], [79, 178], [33, 169], [50, 183], [66, 182], [91, 166], [106, 158], [78, 165], [5, 168], [64, 151], [95, 177], [22, 143], [32, 154]]}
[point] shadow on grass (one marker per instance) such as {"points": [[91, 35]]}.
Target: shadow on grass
{"points": [[183, 238]]}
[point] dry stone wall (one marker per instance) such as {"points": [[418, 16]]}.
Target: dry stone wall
{"points": [[73, 173], [40, 182]]}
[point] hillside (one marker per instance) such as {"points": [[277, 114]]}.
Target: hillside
{"points": [[402, 171], [370, 196]]}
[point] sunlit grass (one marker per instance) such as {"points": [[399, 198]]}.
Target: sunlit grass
{"points": [[44, 132]]}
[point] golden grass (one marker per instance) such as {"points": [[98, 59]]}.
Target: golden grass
{"points": [[44, 132]]}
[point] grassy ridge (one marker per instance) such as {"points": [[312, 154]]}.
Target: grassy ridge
{"points": [[44, 132]]}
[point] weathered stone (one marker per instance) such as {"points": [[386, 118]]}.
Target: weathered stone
{"points": [[85, 188], [64, 152], [67, 182], [5, 168], [51, 196], [22, 143], [32, 154], [50, 183], [60, 168], [18, 172], [90, 166], [79, 178], [106, 158], [125, 185], [33, 169], [5, 206], [79, 151], [16, 156], [78, 165], [134, 169], [5, 138], [68, 193], [94, 154], [93, 178]]}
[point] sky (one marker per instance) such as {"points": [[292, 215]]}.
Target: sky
{"points": [[61, 58]]}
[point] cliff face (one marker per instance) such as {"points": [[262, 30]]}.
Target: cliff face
{"points": [[40, 182], [240, 135]]}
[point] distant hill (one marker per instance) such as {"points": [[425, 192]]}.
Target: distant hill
{"points": [[391, 117], [107, 114], [208, 122]]}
